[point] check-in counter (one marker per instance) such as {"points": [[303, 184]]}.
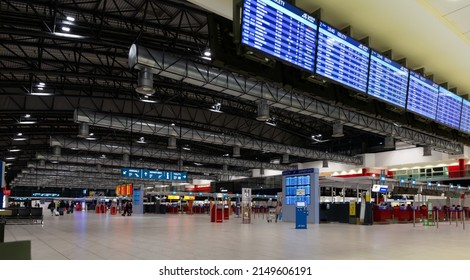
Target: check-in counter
{"points": [[382, 214]]}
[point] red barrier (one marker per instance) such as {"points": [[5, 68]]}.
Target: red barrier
{"points": [[97, 209], [103, 209], [113, 210]]}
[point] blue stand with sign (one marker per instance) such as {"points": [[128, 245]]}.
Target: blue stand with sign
{"points": [[301, 186], [301, 213]]}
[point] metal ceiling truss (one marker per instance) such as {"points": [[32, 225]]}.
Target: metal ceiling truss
{"points": [[163, 23], [137, 164], [167, 130], [142, 151], [203, 75]]}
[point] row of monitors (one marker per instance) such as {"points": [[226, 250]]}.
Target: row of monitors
{"points": [[290, 34]]}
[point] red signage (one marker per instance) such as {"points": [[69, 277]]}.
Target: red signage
{"points": [[6, 192]]}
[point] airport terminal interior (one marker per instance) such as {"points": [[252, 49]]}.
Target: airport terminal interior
{"points": [[234, 129]]}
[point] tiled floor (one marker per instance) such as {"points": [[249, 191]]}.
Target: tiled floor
{"points": [[89, 236]]}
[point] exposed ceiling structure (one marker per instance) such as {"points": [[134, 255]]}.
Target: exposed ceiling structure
{"points": [[68, 100]]}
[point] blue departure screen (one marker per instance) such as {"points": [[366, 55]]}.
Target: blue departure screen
{"points": [[422, 96], [281, 30], [449, 107], [342, 58], [465, 119], [388, 80]]}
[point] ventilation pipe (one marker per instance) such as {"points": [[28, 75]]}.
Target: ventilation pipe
{"points": [[389, 143], [337, 130], [427, 151], [263, 111], [145, 82], [83, 130], [172, 143], [236, 151]]}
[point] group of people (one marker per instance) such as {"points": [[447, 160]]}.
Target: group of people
{"points": [[61, 207]]}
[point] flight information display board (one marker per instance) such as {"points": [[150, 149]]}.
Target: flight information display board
{"points": [[388, 80], [422, 96], [341, 58], [280, 30], [449, 107], [465, 119]]}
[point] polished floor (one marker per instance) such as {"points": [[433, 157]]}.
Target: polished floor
{"points": [[90, 236]]}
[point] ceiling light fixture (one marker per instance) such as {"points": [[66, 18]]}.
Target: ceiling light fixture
{"points": [[65, 28], [27, 116], [69, 18], [146, 99], [216, 108], [141, 140], [20, 139], [42, 93], [68, 35], [10, 158], [14, 150], [186, 148], [271, 121], [207, 53]]}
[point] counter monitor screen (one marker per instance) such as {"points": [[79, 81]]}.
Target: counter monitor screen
{"points": [[422, 96], [465, 119], [280, 30], [388, 80], [449, 107], [341, 58]]}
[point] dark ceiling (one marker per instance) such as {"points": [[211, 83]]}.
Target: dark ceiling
{"points": [[91, 72]]}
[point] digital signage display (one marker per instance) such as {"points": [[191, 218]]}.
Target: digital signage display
{"points": [[280, 30], [449, 107], [422, 96], [341, 58], [388, 80], [465, 119]]}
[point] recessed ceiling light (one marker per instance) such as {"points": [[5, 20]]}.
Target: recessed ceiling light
{"points": [[42, 93]]}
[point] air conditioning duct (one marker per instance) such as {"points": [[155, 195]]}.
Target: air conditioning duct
{"points": [[145, 82]]}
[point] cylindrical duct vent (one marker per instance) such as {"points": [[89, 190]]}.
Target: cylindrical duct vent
{"points": [[285, 158], [337, 130], [56, 150], [263, 111], [325, 163], [427, 151], [236, 151], [172, 143], [145, 82], [389, 142], [83, 130], [125, 157]]}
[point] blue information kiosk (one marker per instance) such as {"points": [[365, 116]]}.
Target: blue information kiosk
{"points": [[301, 213]]}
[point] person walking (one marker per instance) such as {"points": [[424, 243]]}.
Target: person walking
{"points": [[127, 209], [279, 211], [51, 207]]}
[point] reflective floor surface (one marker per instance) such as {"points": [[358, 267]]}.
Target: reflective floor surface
{"points": [[90, 236]]}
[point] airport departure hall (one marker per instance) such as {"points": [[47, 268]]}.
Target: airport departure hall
{"points": [[157, 129]]}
